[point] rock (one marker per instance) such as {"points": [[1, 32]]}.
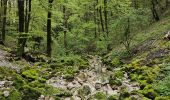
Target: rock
{"points": [[2, 83], [70, 86], [82, 77], [6, 93], [76, 98], [98, 86], [67, 98], [42, 97], [84, 91], [109, 90], [87, 89], [167, 36]]}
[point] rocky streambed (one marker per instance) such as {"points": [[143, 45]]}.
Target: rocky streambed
{"points": [[90, 81]]}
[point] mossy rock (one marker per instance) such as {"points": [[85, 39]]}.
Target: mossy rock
{"points": [[116, 62], [124, 93], [134, 77], [151, 94], [63, 93], [115, 82], [18, 82], [118, 74], [30, 74], [84, 91], [163, 98], [15, 95], [29, 93], [113, 97], [56, 65], [100, 96], [2, 96], [69, 77]]}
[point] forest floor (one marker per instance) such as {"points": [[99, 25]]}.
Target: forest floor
{"points": [[86, 83], [4, 62], [93, 80]]}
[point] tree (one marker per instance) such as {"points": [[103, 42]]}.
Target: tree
{"points": [[49, 39], [4, 19], [154, 11], [105, 16], [27, 15], [22, 36], [65, 24]]}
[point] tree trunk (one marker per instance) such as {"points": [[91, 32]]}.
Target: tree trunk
{"points": [[22, 37], [134, 4], [105, 15], [4, 20], [49, 39], [65, 26], [97, 17], [154, 11], [101, 18], [95, 21], [27, 15]]}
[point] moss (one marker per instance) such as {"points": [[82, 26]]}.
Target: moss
{"points": [[30, 74], [115, 82], [116, 62], [63, 93], [118, 74], [69, 77], [2, 96], [15, 95], [18, 82], [84, 91], [150, 93], [162, 98], [113, 97], [124, 93], [134, 77], [100, 96], [29, 93]]}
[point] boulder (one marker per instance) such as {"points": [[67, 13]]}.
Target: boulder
{"points": [[167, 36], [6, 93]]}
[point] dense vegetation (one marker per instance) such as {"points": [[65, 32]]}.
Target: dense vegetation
{"points": [[84, 49]]}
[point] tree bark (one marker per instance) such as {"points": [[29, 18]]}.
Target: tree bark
{"points": [[22, 37], [154, 11], [49, 39], [101, 18], [27, 15], [65, 25], [4, 20], [105, 15], [95, 21]]}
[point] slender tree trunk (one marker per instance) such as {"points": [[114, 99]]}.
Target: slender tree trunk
{"points": [[134, 4], [1, 14], [105, 15], [95, 21], [154, 11], [21, 43], [97, 17], [4, 20], [167, 3], [49, 39], [65, 25], [101, 18]]}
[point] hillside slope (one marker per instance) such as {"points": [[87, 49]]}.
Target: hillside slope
{"points": [[143, 76]]}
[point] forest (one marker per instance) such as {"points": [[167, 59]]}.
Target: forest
{"points": [[84, 49]]}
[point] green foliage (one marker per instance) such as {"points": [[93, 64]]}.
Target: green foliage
{"points": [[29, 93], [100, 96], [15, 95], [162, 87]]}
